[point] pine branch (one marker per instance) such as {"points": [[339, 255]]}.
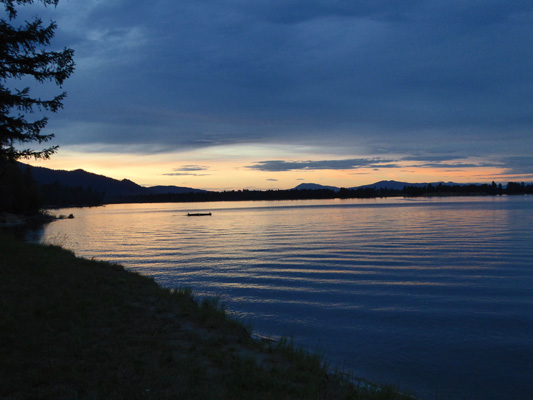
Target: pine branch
{"points": [[10, 5]]}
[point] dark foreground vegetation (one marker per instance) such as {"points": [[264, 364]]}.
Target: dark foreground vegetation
{"points": [[72, 328]]}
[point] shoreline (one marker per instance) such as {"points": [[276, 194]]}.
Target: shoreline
{"points": [[9, 220], [73, 327]]}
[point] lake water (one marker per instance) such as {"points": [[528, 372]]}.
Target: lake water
{"points": [[432, 294]]}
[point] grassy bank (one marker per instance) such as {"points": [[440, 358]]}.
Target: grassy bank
{"points": [[72, 328]]}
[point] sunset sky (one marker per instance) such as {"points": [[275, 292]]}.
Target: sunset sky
{"points": [[220, 94]]}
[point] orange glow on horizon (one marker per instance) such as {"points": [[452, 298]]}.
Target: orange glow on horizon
{"points": [[212, 171]]}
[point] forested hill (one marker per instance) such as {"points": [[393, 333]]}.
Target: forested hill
{"points": [[79, 177], [79, 187]]}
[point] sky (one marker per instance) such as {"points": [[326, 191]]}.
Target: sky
{"points": [[233, 94]]}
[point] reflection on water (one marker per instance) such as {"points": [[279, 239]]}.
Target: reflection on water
{"points": [[431, 294]]}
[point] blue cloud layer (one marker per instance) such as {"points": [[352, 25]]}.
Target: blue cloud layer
{"points": [[418, 78]]}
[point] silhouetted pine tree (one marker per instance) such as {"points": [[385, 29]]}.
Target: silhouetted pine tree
{"points": [[22, 55]]}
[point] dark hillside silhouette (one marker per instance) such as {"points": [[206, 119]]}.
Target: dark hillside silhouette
{"points": [[61, 188]]}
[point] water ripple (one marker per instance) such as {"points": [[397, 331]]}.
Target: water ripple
{"points": [[434, 294]]}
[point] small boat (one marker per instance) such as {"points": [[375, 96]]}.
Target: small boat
{"points": [[197, 214]]}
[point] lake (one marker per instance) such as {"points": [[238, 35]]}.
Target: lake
{"points": [[434, 295]]}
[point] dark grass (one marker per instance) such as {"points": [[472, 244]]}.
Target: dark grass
{"points": [[72, 328]]}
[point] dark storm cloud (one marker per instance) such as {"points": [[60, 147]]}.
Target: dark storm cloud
{"points": [[453, 165], [280, 165], [183, 174], [188, 170], [425, 76], [519, 165]]}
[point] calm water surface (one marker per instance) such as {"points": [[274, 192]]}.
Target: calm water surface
{"points": [[434, 295]]}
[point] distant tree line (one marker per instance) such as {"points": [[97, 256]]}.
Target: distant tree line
{"points": [[21, 195], [512, 188]]}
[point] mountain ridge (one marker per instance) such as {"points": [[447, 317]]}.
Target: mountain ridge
{"points": [[112, 188], [315, 186]]}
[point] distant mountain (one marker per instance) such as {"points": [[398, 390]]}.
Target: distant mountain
{"points": [[112, 188], [395, 185], [315, 186], [392, 185]]}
